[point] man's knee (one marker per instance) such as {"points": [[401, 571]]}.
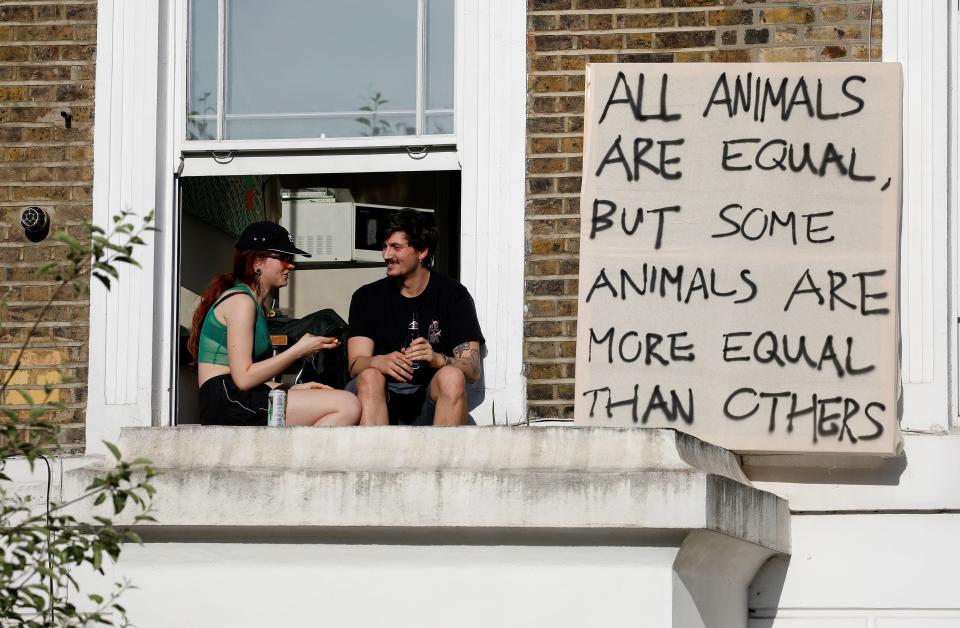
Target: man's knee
{"points": [[370, 381], [450, 382]]}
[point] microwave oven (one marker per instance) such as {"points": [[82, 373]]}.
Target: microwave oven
{"points": [[335, 229], [368, 223], [319, 228]]}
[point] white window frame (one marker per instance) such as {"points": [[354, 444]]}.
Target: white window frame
{"points": [[954, 183], [918, 35], [138, 153], [302, 144]]}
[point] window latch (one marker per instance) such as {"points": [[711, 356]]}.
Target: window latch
{"points": [[417, 152]]}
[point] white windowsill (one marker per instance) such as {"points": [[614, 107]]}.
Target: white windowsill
{"points": [[486, 478]]}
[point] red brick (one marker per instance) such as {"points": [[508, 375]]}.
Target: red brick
{"points": [[538, 23], [600, 42], [690, 3], [833, 52], [542, 145], [646, 20], [573, 22], [638, 41], [730, 56], [547, 5], [16, 13], [14, 53], [692, 19], [553, 42], [788, 15], [685, 39], [731, 17], [600, 4], [8, 93], [45, 33], [832, 33], [82, 12]]}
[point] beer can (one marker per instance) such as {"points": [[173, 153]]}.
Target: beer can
{"points": [[277, 408]]}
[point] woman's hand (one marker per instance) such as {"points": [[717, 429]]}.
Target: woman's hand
{"points": [[310, 386], [310, 344]]}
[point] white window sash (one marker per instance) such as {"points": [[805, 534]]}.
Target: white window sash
{"points": [[917, 34], [221, 117], [488, 148], [955, 207]]}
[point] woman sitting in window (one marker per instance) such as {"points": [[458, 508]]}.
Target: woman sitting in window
{"points": [[232, 347]]}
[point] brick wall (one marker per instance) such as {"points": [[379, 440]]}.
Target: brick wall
{"points": [[47, 61], [562, 36]]}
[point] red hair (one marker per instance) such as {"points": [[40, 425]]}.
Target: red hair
{"points": [[243, 262]]}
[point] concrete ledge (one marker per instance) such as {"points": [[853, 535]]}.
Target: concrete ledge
{"points": [[502, 478]]}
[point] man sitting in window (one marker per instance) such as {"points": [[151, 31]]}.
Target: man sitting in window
{"points": [[417, 376]]}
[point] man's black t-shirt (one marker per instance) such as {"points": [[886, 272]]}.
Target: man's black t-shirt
{"points": [[445, 311]]}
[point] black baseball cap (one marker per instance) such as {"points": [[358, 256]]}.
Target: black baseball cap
{"points": [[268, 236]]}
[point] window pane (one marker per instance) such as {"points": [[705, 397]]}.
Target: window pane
{"points": [[327, 56], [201, 128], [439, 71], [202, 85], [439, 124], [320, 127]]}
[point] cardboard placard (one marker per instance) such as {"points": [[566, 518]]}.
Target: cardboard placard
{"points": [[739, 253]]}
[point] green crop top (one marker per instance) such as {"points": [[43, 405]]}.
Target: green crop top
{"points": [[213, 333]]}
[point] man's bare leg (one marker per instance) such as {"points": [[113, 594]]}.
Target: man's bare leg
{"points": [[372, 393], [449, 389]]}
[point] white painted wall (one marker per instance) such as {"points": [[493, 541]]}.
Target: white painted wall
{"points": [[868, 571], [238, 585], [122, 326], [312, 290], [917, 34]]}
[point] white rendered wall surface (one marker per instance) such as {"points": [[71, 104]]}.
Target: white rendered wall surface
{"points": [[876, 544], [122, 360], [925, 477], [863, 571], [490, 526], [239, 585]]}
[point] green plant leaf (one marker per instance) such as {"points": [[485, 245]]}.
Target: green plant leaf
{"points": [[103, 279], [27, 397], [113, 449], [107, 268]]}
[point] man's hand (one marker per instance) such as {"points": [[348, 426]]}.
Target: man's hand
{"points": [[466, 357], [422, 351], [395, 365]]}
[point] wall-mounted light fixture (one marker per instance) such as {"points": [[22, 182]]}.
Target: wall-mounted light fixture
{"points": [[35, 223]]}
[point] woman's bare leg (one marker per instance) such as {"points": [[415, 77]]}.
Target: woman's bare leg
{"points": [[322, 407]]}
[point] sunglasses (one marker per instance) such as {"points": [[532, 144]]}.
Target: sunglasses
{"points": [[286, 258]]}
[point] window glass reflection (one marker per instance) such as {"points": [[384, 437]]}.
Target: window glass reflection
{"points": [[202, 84], [320, 68], [440, 22], [294, 56]]}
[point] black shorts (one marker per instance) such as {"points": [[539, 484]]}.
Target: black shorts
{"points": [[407, 404], [222, 403]]}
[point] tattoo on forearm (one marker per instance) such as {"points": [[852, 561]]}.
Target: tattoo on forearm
{"points": [[465, 357]]}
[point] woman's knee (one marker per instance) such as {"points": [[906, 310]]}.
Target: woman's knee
{"points": [[342, 408], [350, 405]]}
